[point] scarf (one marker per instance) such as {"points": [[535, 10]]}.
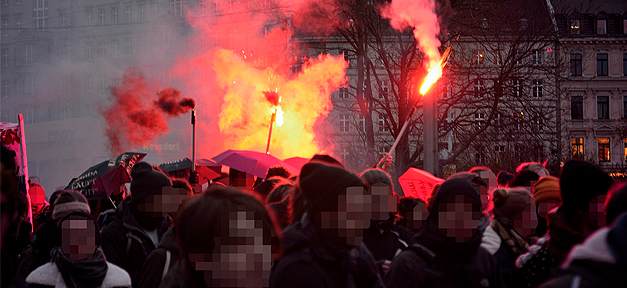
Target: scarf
{"points": [[565, 233], [514, 241], [88, 273]]}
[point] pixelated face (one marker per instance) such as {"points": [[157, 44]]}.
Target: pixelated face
{"points": [[525, 223], [382, 202], [545, 207], [78, 238], [241, 259], [417, 216], [458, 219], [167, 202], [353, 215], [597, 213]]}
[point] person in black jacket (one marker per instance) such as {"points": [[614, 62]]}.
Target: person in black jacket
{"points": [[446, 251], [323, 248], [138, 223]]}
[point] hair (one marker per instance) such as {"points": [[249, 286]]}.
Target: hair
{"points": [[376, 176], [534, 167], [478, 169], [182, 183], [203, 219], [279, 193], [278, 171], [326, 159], [616, 202]]}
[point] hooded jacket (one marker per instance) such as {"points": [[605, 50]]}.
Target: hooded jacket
{"points": [[600, 261], [160, 261], [125, 243], [433, 260], [310, 261]]}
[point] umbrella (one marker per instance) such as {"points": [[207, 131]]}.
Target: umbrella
{"points": [[207, 169], [251, 162], [418, 183], [296, 162], [104, 178]]}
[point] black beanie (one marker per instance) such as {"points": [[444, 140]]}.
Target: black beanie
{"points": [[580, 182], [523, 178], [321, 184], [146, 181], [451, 187]]}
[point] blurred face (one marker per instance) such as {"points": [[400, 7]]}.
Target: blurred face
{"points": [[159, 205], [353, 215], [458, 219], [597, 214], [525, 223], [242, 259], [382, 202], [417, 216], [78, 238]]}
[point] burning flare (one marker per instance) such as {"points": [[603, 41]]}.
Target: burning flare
{"points": [[435, 72]]}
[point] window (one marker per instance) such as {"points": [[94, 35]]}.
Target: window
{"points": [[88, 51], [625, 150], [5, 2], [536, 57], [176, 8], [18, 2], [602, 64], [385, 88], [603, 107], [202, 7], [62, 20], [343, 93], [498, 57], [625, 26], [478, 57], [128, 46], [88, 17], [141, 12], [27, 84], [478, 87], [5, 58], [577, 147], [383, 127], [128, 14], [5, 90], [604, 149], [5, 26], [536, 88], [575, 64], [18, 24], [116, 47], [575, 26], [27, 54], [102, 49], [625, 107], [89, 83], [446, 90], [624, 64], [101, 16], [601, 27], [40, 13], [343, 123], [480, 119], [517, 88], [480, 156], [576, 107], [64, 49], [114, 15], [362, 124]]}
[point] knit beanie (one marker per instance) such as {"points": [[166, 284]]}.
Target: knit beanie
{"points": [[523, 178], [503, 178], [509, 202], [375, 175], [547, 189], [69, 202], [321, 185], [146, 181], [580, 182]]}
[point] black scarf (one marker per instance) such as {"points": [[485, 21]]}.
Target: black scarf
{"points": [[87, 273]]}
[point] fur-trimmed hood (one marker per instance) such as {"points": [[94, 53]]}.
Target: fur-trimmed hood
{"points": [[49, 275]]}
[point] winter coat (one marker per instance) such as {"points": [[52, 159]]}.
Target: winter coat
{"points": [[385, 239], [37, 253], [434, 260], [126, 244], [160, 261], [601, 261], [49, 275], [503, 254], [310, 261]]}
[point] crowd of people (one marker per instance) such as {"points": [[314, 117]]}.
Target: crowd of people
{"points": [[325, 227]]}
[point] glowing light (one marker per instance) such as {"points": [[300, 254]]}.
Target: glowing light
{"points": [[434, 74], [279, 116]]}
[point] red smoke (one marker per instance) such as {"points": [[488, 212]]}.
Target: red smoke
{"points": [[137, 115], [272, 97]]}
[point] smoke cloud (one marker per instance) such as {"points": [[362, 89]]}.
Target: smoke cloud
{"points": [[421, 16]]}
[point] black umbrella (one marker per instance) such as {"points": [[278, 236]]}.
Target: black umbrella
{"points": [[105, 178], [207, 169]]}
